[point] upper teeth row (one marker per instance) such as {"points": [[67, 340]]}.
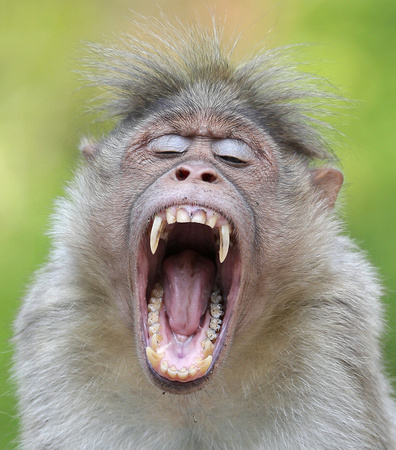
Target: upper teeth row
{"points": [[194, 214]]}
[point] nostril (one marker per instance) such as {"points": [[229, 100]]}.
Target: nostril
{"points": [[182, 173], [208, 177]]}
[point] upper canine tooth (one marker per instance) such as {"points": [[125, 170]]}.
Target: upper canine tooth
{"points": [[155, 234], [224, 242], [182, 216], [199, 217]]}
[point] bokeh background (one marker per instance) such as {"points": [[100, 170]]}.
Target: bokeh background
{"points": [[42, 119]]}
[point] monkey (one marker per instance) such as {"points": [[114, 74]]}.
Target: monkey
{"points": [[201, 291]]}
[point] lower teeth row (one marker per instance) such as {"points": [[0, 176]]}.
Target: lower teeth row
{"points": [[207, 346], [215, 311], [153, 307]]}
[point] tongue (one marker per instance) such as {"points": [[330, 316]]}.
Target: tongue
{"points": [[188, 282]]}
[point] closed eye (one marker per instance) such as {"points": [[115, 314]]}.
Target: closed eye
{"points": [[231, 159], [169, 145], [232, 151]]}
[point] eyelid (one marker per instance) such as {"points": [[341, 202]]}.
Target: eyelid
{"points": [[169, 143], [233, 148]]}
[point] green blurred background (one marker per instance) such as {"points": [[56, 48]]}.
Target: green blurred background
{"points": [[42, 120]]}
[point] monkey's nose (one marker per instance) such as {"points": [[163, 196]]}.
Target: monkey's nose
{"points": [[200, 172]]}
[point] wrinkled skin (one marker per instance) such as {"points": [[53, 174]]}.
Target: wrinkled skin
{"points": [[296, 363]]}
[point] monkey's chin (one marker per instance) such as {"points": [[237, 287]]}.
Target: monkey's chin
{"points": [[189, 273]]}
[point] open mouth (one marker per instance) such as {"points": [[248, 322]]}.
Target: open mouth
{"points": [[188, 278]]}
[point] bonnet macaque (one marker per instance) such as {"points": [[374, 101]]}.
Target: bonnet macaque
{"points": [[200, 292]]}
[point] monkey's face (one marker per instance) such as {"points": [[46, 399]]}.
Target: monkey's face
{"points": [[192, 245]]}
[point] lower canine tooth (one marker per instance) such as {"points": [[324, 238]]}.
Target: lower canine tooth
{"points": [[203, 366], [153, 357], [224, 242]]}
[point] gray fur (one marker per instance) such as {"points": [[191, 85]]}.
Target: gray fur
{"points": [[138, 75], [307, 374]]}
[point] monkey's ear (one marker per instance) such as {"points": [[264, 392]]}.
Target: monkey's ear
{"points": [[88, 148], [329, 181]]}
